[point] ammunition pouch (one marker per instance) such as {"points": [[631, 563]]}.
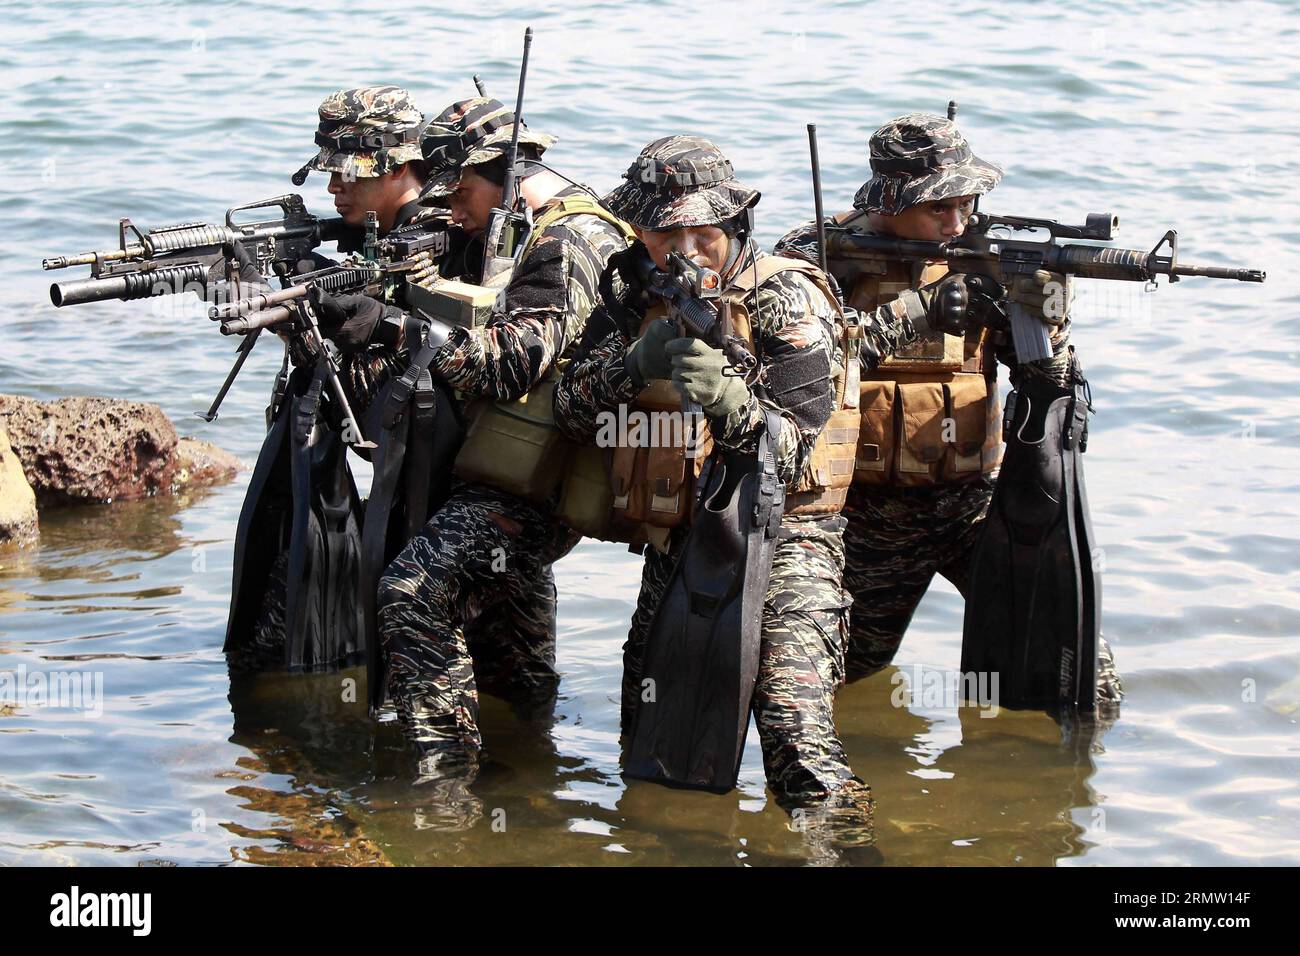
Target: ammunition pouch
{"points": [[516, 446], [586, 499], [653, 482], [929, 413]]}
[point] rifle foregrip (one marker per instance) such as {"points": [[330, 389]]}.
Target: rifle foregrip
{"points": [[699, 318], [194, 236], [1096, 262]]}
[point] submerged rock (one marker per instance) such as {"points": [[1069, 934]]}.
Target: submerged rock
{"points": [[18, 523], [91, 449]]}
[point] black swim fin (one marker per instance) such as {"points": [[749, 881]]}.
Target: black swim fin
{"points": [[323, 623], [299, 535], [262, 543], [702, 650], [419, 429], [1033, 611]]}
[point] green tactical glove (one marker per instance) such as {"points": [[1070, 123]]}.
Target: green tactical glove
{"points": [[1043, 294], [700, 374], [645, 357]]}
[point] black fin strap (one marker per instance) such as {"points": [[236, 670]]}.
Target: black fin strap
{"points": [[420, 454], [770, 501]]}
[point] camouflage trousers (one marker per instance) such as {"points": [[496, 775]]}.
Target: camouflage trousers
{"points": [[896, 541], [469, 605], [801, 665], [512, 642]]}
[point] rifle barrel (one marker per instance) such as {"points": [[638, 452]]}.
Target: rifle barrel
{"points": [[1103, 262], [256, 303], [1221, 272], [262, 319], [133, 251]]}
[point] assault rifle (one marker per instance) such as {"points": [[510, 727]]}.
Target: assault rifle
{"points": [[189, 255], [401, 260], [406, 256], [988, 247], [690, 292]]}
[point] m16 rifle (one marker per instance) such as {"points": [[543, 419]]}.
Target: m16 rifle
{"points": [[988, 247], [402, 260], [691, 292], [405, 257], [190, 256]]}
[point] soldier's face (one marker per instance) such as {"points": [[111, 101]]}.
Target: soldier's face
{"points": [[704, 245], [353, 198], [473, 201], [932, 221]]}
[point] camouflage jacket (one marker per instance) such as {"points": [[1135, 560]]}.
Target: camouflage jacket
{"points": [[795, 335], [887, 329], [551, 293], [547, 301]]}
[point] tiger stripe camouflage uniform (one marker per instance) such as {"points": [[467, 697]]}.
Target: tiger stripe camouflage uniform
{"points": [[898, 538], [805, 612], [485, 546]]}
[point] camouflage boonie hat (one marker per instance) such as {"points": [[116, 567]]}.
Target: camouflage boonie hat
{"points": [[467, 133], [366, 132], [678, 182], [921, 158]]}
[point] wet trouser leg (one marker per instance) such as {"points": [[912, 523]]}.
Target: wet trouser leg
{"points": [[800, 667], [512, 644], [481, 549], [895, 542]]}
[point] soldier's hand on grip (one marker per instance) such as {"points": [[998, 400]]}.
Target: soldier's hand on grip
{"points": [[646, 358], [703, 375], [247, 281], [1043, 294], [347, 320]]}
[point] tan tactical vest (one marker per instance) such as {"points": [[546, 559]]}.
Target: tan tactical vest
{"points": [[930, 412], [515, 445], [651, 483]]}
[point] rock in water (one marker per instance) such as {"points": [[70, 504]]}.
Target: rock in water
{"points": [[91, 449], [201, 463], [17, 500]]}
